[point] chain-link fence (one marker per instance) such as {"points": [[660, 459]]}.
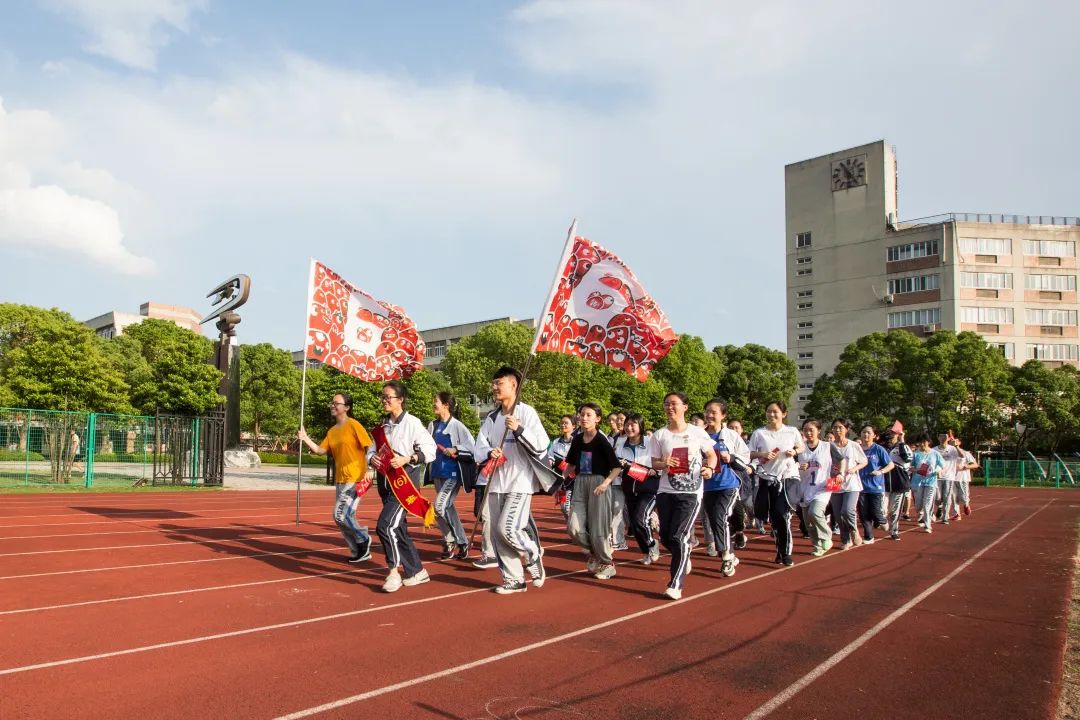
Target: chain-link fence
{"points": [[60, 448]]}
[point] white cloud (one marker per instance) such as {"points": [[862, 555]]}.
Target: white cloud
{"points": [[131, 32], [46, 218]]}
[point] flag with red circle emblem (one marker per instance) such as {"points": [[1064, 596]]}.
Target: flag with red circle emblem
{"points": [[599, 311], [353, 332]]}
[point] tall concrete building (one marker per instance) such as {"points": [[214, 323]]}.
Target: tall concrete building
{"points": [[113, 322], [853, 268]]}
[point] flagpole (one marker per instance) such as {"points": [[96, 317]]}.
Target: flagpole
{"points": [[303, 377], [554, 285]]}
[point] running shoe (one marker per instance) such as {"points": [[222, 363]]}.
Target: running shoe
{"points": [[788, 562], [484, 562], [653, 555], [895, 536], [727, 568], [366, 555], [393, 582], [447, 551], [509, 586], [711, 550], [818, 551], [462, 552], [605, 572], [740, 540], [620, 546], [846, 546], [591, 564], [828, 545], [418, 579], [674, 593], [869, 541], [537, 572], [927, 529], [967, 509]]}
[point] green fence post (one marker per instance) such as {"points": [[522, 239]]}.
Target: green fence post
{"points": [[26, 469], [91, 448], [986, 472], [1023, 464], [195, 454], [1057, 474]]}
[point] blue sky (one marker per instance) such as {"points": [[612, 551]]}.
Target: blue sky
{"points": [[434, 153]]}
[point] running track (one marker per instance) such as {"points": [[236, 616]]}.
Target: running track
{"points": [[178, 606]]}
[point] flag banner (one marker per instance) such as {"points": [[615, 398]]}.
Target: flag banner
{"points": [[353, 332], [600, 312], [399, 481]]}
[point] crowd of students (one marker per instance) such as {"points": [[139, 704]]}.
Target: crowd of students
{"points": [[630, 483]]}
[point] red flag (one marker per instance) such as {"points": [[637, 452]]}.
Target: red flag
{"points": [[353, 332], [599, 311]]}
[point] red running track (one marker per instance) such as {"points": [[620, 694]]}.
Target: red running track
{"points": [[174, 612]]}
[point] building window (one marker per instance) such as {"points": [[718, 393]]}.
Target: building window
{"points": [[806, 386], [987, 315], [805, 306], [802, 240], [804, 398], [909, 251], [804, 273], [806, 323], [1040, 316], [806, 367], [806, 336], [1059, 283], [806, 355], [916, 283], [986, 246], [806, 293], [1005, 349], [911, 318], [1039, 351], [1050, 248], [436, 349], [804, 260], [986, 281]]}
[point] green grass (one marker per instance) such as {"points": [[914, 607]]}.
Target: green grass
{"points": [[272, 458]]}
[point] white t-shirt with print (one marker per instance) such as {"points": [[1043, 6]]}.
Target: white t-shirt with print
{"points": [[962, 472], [697, 442], [855, 456], [952, 458], [786, 438]]}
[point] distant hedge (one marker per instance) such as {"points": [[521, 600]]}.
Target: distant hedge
{"points": [[272, 458], [20, 455]]}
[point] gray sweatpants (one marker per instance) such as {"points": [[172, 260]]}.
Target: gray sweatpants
{"points": [[895, 510], [446, 514], [924, 503], [844, 505], [618, 515], [961, 495], [945, 497], [509, 514], [590, 518], [817, 523]]}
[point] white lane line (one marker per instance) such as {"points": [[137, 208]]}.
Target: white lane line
{"points": [[150, 510], [380, 572], [353, 613], [173, 562], [186, 528], [209, 542], [292, 578], [130, 521], [838, 657], [545, 643]]}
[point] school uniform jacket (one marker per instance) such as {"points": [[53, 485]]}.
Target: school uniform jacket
{"points": [[460, 438]]}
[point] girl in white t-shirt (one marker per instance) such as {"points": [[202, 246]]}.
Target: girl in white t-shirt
{"points": [[962, 495], [684, 456], [775, 446], [818, 462], [845, 501]]}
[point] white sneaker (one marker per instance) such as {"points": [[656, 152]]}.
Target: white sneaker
{"points": [[654, 552], [417, 579], [591, 566], [537, 572], [711, 550], [509, 586], [605, 572], [484, 562], [727, 568], [647, 559], [393, 582], [868, 542], [673, 593]]}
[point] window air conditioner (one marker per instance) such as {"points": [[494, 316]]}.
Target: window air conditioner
{"points": [[929, 329], [888, 299]]}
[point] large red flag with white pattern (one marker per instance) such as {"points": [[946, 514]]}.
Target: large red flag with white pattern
{"points": [[353, 332], [599, 311]]}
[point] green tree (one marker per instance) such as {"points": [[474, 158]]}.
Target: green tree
{"points": [[691, 369], [269, 393], [181, 379], [752, 376], [49, 360], [1047, 405]]}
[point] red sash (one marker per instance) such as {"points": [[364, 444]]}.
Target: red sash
{"points": [[400, 483]]}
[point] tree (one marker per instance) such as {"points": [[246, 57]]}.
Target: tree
{"points": [[691, 369], [48, 360], [269, 393], [181, 379], [752, 376], [1047, 405]]}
